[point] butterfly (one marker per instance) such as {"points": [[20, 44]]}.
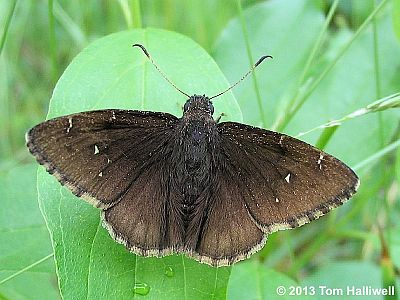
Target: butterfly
{"points": [[194, 185]]}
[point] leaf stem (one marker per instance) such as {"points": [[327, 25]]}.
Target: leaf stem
{"points": [[391, 101], [7, 25], [377, 78], [305, 257], [362, 202], [137, 16], [317, 45], [5, 130], [250, 56], [127, 13], [26, 268], [376, 60], [132, 15], [52, 40], [377, 155], [353, 234], [69, 25], [327, 133]]}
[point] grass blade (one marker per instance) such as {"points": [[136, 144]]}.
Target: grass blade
{"points": [[392, 101], [7, 25], [250, 56], [70, 26], [325, 136], [132, 16], [137, 16], [377, 155], [315, 83], [316, 46], [396, 17], [52, 41]]}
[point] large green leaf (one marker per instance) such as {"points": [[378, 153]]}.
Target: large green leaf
{"points": [[110, 74], [24, 239], [252, 280]]}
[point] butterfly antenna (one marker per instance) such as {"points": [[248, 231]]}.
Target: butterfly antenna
{"points": [[244, 76], [158, 69]]}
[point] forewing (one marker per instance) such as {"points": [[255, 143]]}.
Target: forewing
{"points": [[99, 154], [286, 182]]}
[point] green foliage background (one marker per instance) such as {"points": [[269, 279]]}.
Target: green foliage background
{"points": [[356, 61]]}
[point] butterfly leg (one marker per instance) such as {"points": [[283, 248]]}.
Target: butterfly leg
{"points": [[219, 117]]}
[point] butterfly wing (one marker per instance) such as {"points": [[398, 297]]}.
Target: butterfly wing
{"points": [[99, 154], [285, 182], [228, 234], [120, 161], [266, 182]]}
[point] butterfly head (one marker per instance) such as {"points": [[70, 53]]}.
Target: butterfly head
{"points": [[198, 104]]}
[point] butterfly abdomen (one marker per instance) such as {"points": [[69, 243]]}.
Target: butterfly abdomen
{"points": [[193, 163]]}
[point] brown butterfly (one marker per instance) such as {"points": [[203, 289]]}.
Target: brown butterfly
{"points": [[212, 190]]}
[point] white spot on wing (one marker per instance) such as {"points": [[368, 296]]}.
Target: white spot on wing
{"points": [[321, 157], [113, 115], [101, 174], [108, 160], [287, 178], [69, 125], [276, 200], [96, 149]]}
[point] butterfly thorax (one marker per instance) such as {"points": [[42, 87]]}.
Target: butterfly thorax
{"points": [[195, 158]]}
